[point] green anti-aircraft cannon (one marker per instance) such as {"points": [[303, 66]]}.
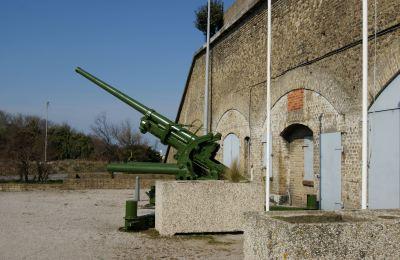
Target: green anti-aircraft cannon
{"points": [[195, 154]]}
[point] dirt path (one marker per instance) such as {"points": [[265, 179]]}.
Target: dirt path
{"points": [[84, 225]]}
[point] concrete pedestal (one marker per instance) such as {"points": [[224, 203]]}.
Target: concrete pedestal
{"points": [[322, 235], [204, 206]]}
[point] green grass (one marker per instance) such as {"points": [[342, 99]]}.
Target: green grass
{"points": [[234, 173]]}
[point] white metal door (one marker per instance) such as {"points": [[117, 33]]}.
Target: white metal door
{"points": [[331, 165], [231, 149], [384, 177], [384, 149]]}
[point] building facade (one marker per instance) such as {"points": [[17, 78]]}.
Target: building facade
{"points": [[316, 98]]}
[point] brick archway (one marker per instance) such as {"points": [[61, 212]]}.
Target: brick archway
{"points": [[298, 107], [234, 122]]}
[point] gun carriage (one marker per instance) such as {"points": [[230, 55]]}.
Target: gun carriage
{"points": [[195, 155]]}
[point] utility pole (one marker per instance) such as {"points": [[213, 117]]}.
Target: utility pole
{"points": [[206, 85], [45, 138]]}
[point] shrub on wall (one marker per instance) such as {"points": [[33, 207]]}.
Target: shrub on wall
{"points": [[216, 19]]}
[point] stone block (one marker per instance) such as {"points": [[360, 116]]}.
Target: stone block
{"points": [[204, 206], [322, 235]]}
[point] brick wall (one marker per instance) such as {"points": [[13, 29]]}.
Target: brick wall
{"points": [[297, 188], [29, 187], [236, 10], [295, 100], [316, 48], [91, 181]]}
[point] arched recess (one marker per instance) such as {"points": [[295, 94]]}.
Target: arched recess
{"points": [[231, 151], [384, 148], [234, 122], [296, 131], [299, 141], [303, 122], [387, 68]]}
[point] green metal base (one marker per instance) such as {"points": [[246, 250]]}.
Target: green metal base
{"points": [[152, 195], [140, 223], [133, 222]]}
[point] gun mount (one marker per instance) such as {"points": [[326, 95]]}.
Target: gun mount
{"points": [[195, 155]]}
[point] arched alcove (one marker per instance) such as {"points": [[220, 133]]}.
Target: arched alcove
{"points": [[300, 147], [384, 148], [234, 122], [231, 150], [295, 143], [296, 131]]}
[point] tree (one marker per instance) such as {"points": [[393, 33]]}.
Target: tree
{"points": [[4, 123], [120, 142], [105, 132], [24, 143], [67, 143], [216, 19]]}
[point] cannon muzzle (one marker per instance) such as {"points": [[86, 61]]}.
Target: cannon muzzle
{"points": [[115, 92], [180, 134]]}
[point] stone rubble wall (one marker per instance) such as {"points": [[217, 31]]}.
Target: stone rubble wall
{"points": [[91, 181]]}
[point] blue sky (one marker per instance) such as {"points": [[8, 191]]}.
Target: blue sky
{"points": [[144, 48]]}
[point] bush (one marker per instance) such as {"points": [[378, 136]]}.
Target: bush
{"points": [[216, 19], [233, 173]]}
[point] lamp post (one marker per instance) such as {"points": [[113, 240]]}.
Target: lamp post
{"points": [[45, 138]]}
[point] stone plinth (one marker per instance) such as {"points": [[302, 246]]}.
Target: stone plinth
{"points": [[204, 206], [322, 235]]}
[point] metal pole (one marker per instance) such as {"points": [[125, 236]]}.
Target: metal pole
{"points": [[364, 170], [320, 160], [137, 189], [268, 137], [45, 138], [206, 86]]}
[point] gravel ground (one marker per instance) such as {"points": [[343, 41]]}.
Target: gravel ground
{"points": [[84, 225]]}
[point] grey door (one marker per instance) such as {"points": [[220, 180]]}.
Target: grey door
{"points": [[384, 149], [331, 161], [231, 150], [384, 177]]}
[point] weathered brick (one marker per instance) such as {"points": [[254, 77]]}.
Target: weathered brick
{"points": [[314, 47]]}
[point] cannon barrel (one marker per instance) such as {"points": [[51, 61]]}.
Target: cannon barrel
{"points": [[121, 96], [195, 155], [180, 134], [146, 167]]}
